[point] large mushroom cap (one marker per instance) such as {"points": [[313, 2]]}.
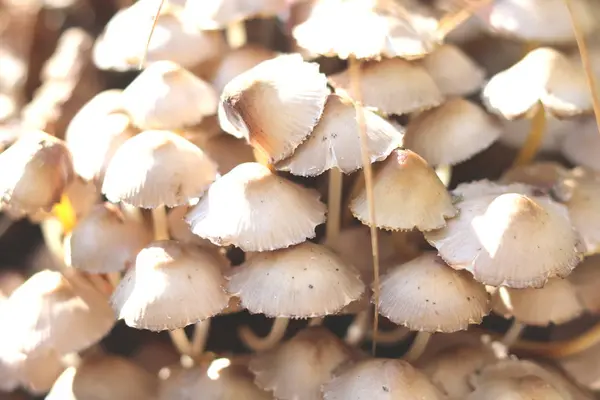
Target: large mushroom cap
{"points": [[581, 144], [408, 195], [335, 141], [171, 285], [427, 295], [528, 387], [256, 210], [304, 281], [298, 368], [238, 61], [218, 14], [271, 111], [381, 379], [158, 168]]}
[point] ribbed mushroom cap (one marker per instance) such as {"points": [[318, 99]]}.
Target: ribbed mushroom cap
{"points": [[366, 30], [256, 210], [171, 285], [158, 168], [529, 387], [104, 241], [555, 303], [335, 141], [218, 14], [381, 379], [124, 39], [303, 281], [36, 170], [406, 181], [508, 239], [104, 378], [453, 72], [545, 21], [238, 61], [585, 279], [394, 86], [452, 133], [52, 311], [425, 294], [271, 111], [233, 382], [298, 368], [582, 144], [543, 75], [167, 96]]}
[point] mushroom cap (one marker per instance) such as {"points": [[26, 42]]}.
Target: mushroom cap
{"points": [[425, 294], [102, 104], [52, 311], [335, 141], [104, 378], [303, 281], [227, 152], [167, 96], [585, 280], [462, 78], [158, 168], [406, 180], [582, 144], [219, 14], [179, 230], [238, 61], [256, 210], [297, 369], [272, 112], [37, 169], [515, 133], [35, 373], [582, 368], [381, 379], [104, 241], [509, 239], [452, 133], [393, 86], [544, 76], [171, 285], [528, 387]]}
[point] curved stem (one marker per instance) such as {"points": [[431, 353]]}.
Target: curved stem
{"points": [[154, 22], [417, 347], [200, 337], [359, 328], [452, 20], [535, 138], [334, 205], [444, 172], [236, 34], [513, 333], [256, 343], [181, 342], [394, 336]]}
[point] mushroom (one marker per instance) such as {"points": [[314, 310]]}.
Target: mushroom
{"points": [[227, 151], [528, 387], [179, 230], [36, 373], [581, 144], [581, 367], [584, 280]]}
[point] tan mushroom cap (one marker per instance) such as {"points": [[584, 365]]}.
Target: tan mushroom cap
{"points": [[238, 61], [453, 72], [35, 373], [394, 86], [582, 367], [508, 239], [104, 378], [104, 241], [10, 280], [256, 210], [409, 195], [297, 369], [232, 382], [543, 76], [52, 311], [545, 175], [335, 141], [581, 145], [529, 387], [303, 281], [158, 168], [381, 379], [218, 14], [227, 152], [452, 133], [515, 133], [167, 96], [179, 230], [171, 285], [585, 279], [271, 111], [37, 169]]}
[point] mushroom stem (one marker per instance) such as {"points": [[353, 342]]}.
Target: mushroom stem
{"points": [[358, 328], [444, 172], [114, 278], [154, 22], [452, 20], [513, 333], [334, 205], [355, 72], [262, 158], [159, 221], [181, 342], [256, 343], [317, 321], [535, 138], [417, 347], [587, 63], [357, 185], [200, 336], [394, 336], [132, 213], [52, 231], [236, 34]]}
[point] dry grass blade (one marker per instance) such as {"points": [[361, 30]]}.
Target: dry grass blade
{"points": [[154, 22], [453, 19]]}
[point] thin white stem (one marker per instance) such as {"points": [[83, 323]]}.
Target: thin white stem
{"points": [[236, 35], [513, 333], [52, 231], [114, 278], [200, 336], [418, 346], [444, 172], [154, 22], [256, 343], [394, 336], [334, 205], [181, 342], [132, 213], [159, 221], [358, 329]]}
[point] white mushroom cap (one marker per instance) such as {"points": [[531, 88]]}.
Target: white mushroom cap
{"points": [[381, 379], [104, 241], [303, 281], [256, 210], [179, 230], [172, 285], [581, 145], [271, 111], [218, 14], [585, 280], [298, 368], [158, 168], [405, 179], [543, 75], [515, 133], [393, 86], [335, 141], [36, 373], [452, 133], [528, 387], [167, 96], [238, 61], [425, 294], [102, 104]]}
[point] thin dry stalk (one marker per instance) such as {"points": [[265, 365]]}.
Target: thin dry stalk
{"points": [[154, 22], [452, 20]]}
